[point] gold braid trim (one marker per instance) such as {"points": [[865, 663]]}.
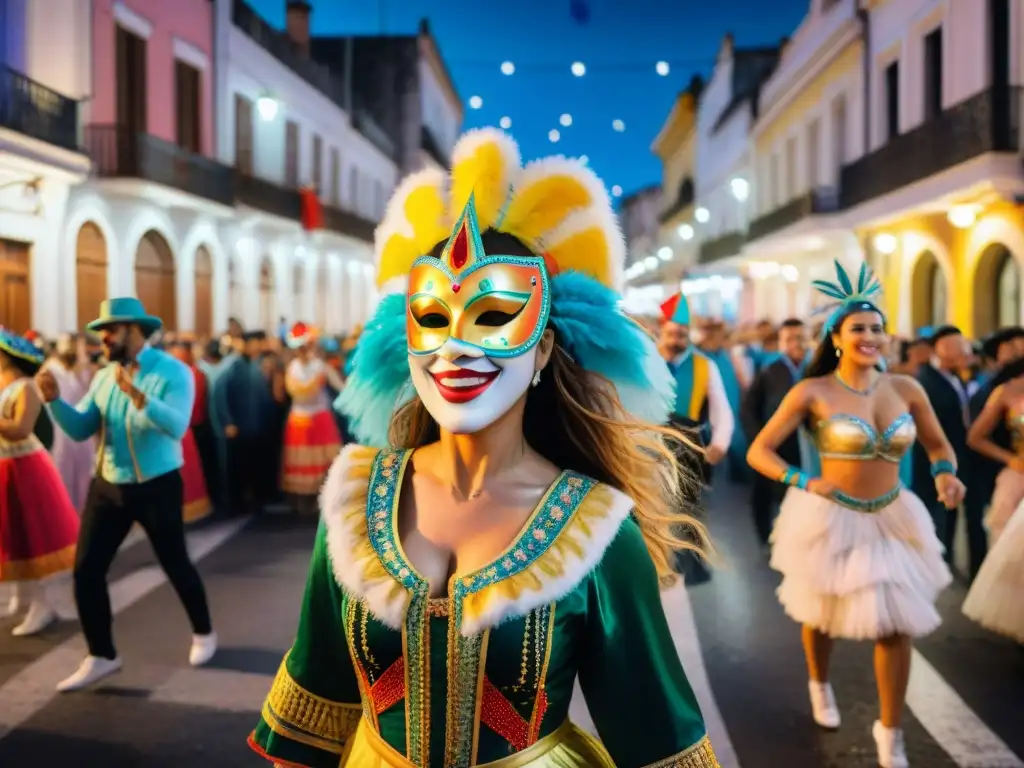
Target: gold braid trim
{"points": [[295, 713], [700, 755]]}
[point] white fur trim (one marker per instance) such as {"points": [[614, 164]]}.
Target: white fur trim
{"points": [[386, 599], [600, 216], [399, 284], [395, 222], [595, 538]]}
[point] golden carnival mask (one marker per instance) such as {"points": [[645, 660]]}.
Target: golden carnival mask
{"points": [[496, 303]]}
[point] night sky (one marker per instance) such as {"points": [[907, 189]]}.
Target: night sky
{"points": [[620, 42]]}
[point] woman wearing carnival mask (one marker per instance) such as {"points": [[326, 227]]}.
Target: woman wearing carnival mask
{"points": [[858, 552], [511, 531]]}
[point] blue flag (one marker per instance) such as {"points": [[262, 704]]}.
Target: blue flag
{"points": [[580, 11]]}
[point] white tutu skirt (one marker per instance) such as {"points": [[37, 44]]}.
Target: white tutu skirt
{"points": [[1007, 496], [858, 575], [995, 599]]}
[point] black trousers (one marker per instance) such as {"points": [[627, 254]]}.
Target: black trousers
{"points": [[110, 511], [252, 472], [206, 443]]}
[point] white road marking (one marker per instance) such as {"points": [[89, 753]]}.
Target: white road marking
{"points": [[684, 631], [32, 688], [952, 724], [222, 689]]}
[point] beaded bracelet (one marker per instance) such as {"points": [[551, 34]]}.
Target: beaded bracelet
{"points": [[943, 467], [793, 476]]}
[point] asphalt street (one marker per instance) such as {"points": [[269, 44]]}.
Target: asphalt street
{"points": [[743, 657]]}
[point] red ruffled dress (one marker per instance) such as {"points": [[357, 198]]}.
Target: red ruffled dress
{"points": [[311, 437], [38, 523], [197, 499]]}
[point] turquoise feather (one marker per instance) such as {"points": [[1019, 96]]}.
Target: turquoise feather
{"points": [[378, 383], [844, 279]]}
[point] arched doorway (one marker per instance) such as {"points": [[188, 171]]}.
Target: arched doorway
{"points": [[266, 319], [300, 311], [154, 278], [90, 272], [997, 290], [15, 286], [930, 296], [204, 292]]}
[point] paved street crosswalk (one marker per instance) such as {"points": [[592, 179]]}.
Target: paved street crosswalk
{"points": [[742, 656]]}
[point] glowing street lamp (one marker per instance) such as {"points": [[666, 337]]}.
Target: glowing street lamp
{"points": [[267, 107]]}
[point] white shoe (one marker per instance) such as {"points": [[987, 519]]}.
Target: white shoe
{"points": [[823, 705], [892, 751], [13, 606], [39, 617], [92, 670], [202, 650]]}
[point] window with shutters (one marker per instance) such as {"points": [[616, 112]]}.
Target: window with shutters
{"points": [[244, 144], [130, 54], [291, 154], [188, 83], [335, 192], [318, 164]]}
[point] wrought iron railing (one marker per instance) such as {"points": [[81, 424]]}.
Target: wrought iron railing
{"points": [[347, 223], [986, 122], [727, 245], [267, 196], [119, 152], [33, 109], [822, 200]]}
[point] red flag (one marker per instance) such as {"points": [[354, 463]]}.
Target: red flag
{"points": [[668, 308], [312, 213]]}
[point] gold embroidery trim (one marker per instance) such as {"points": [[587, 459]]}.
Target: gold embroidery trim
{"points": [[295, 713], [700, 755]]}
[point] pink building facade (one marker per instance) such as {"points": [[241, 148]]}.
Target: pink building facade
{"points": [[174, 31]]}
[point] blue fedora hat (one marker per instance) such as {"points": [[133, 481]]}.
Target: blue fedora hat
{"points": [[126, 310]]}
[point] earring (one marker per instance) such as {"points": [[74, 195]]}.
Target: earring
{"points": [[839, 353], [536, 379]]}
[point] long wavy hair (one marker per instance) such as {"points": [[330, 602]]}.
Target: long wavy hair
{"points": [[824, 361], [574, 419]]}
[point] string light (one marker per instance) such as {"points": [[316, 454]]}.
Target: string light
{"points": [[505, 122], [558, 67], [508, 68], [618, 125], [475, 102], [565, 120], [578, 68], [554, 136], [617, 191]]}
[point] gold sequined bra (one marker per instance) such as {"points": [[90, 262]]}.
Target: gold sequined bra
{"points": [[842, 436]]}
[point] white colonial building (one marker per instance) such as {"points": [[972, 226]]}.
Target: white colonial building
{"points": [[40, 157], [810, 124], [724, 175], [282, 123]]}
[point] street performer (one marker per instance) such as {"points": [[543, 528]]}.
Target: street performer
{"points": [[509, 534], [140, 405]]}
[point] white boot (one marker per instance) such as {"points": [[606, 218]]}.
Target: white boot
{"points": [[92, 670], [823, 705], [202, 650], [16, 601], [892, 751], [40, 615]]}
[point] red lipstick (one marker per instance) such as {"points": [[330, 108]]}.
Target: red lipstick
{"points": [[467, 392]]}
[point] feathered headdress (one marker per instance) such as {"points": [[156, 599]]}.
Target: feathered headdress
{"points": [[559, 209], [865, 295]]}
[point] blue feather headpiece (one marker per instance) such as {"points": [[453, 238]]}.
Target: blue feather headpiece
{"points": [[864, 296]]}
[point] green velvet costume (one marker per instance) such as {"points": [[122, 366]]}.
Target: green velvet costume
{"points": [[484, 677]]}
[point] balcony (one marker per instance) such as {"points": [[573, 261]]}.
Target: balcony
{"points": [[987, 122], [721, 247], [817, 201], [118, 152], [268, 197], [34, 110], [346, 223]]}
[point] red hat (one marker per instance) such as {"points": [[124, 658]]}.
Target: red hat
{"points": [[300, 335]]}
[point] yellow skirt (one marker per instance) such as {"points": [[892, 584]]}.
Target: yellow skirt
{"points": [[566, 747]]}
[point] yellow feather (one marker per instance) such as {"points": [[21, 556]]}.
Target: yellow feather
{"points": [[484, 174], [586, 251], [396, 258], [540, 207], [424, 208]]}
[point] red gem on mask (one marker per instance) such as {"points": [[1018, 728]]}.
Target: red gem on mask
{"points": [[460, 249], [456, 287]]}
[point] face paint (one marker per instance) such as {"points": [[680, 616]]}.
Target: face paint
{"points": [[473, 322]]}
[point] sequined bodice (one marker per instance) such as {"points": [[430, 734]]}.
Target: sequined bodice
{"points": [[842, 436], [12, 449], [1015, 423]]}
